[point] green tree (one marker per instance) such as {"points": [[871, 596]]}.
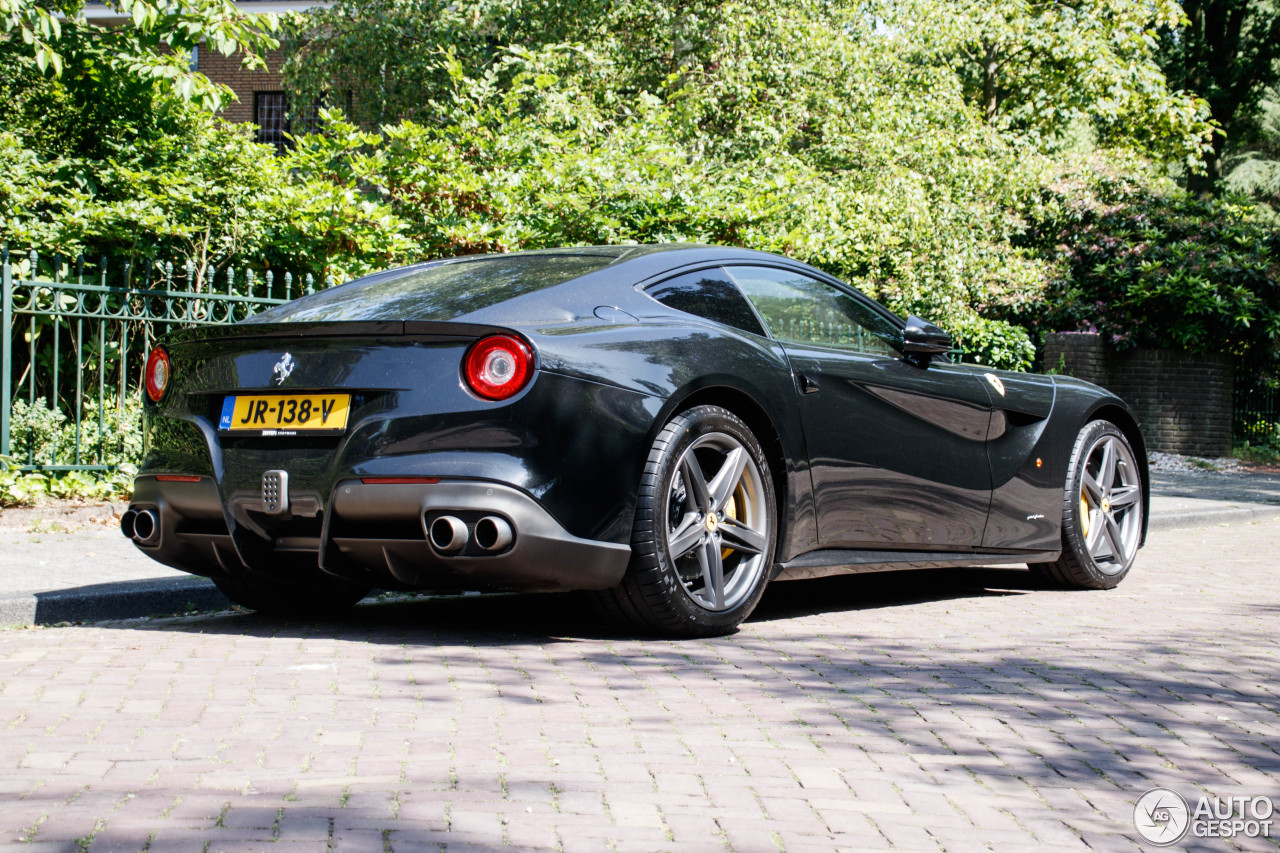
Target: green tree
{"points": [[854, 135], [1146, 263], [152, 47], [110, 130], [383, 57], [109, 146], [1228, 55], [1253, 163], [1039, 69], [899, 189]]}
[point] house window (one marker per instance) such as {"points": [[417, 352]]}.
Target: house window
{"points": [[276, 119], [269, 110]]}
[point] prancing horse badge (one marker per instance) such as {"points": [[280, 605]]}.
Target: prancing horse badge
{"points": [[283, 368]]}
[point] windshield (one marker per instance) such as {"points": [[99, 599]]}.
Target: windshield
{"points": [[441, 291]]}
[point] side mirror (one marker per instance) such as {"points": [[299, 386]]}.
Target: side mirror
{"points": [[922, 338]]}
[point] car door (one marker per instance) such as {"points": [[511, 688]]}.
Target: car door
{"points": [[897, 450]]}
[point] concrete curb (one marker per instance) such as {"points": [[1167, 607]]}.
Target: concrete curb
{"points": [[1212, 517], [106, 601], [165, 596]]}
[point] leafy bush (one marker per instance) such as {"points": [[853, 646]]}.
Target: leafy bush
{"points": [[1146, 264], [539, 152], [42, 435], [206, 193], [842, 134], [21, 489], [34, 431]]}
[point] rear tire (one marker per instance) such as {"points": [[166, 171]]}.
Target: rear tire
{"points": [[1103, 510], [298, 597], [702, 543]]}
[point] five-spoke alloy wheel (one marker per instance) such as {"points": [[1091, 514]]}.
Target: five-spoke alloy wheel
{"points": [[702, 544], [1104, 510], [717, 522]]}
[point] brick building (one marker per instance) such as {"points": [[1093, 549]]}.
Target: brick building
{"points": [[260, 92]]}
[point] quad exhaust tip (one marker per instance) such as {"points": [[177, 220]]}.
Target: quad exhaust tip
{"points": [[449, 534], [142, 526], [493, 533], [126, 522]]}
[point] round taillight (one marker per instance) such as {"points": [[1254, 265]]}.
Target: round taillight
{"points": [[157, 376], [498, 367]]}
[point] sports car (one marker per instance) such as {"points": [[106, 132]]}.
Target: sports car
{"points": [[668, 427]]}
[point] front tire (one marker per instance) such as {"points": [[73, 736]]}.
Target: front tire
{"points": [[1103, 513], [703, 539]]}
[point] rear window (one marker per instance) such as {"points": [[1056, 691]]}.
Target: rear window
{"points": [[442, 291], [709, 294]]}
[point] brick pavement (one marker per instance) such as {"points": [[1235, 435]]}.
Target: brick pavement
{"points": [[934, 710]]}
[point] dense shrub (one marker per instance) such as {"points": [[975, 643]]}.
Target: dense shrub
{"points": [[43, 435], [850, 135], [1147, 264], [210, 195], [538, 152]]}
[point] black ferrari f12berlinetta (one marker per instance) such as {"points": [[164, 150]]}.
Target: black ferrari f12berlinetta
{"points": [[670, 427]]}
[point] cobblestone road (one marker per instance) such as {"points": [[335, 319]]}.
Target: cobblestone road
{"points": [[936, 710]]}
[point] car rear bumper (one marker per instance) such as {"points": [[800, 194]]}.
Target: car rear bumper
{"points": [[378, 534]]}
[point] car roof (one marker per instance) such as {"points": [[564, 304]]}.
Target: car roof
{"points": [[657, 255], [550, 285]]}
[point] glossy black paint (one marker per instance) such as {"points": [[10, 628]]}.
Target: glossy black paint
{"points": [[920, 337], [870, 453], [898, 452]]}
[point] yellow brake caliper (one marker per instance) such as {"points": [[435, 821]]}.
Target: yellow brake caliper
{"points": [[731, 511], [1084, 513]]}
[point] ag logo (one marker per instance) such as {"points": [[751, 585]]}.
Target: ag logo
{"points": [[1161, 816], [283, 368]]}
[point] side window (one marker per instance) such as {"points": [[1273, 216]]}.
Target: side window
{"points": [[801, 309], [708, 294]]}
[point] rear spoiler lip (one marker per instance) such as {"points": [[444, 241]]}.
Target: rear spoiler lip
{"points": [[335, 329]]}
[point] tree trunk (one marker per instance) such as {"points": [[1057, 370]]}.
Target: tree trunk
{"points": [[1210, 183], [1226, 56], [990, 77]]}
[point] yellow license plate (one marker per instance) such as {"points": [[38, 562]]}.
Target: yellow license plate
{"points": [[285, 414]]}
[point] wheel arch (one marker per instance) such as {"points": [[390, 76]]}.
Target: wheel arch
{"points": [[1127, 424]]}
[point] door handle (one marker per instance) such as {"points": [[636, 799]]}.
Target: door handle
{"points": [[807, 385]]}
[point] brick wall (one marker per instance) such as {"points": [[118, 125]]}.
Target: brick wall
{"points": [[1183, 402], [1081, 356], [227, 71]]}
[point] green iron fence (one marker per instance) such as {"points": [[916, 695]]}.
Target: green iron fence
{"points": [[1257, 411], [72, 329], [844, 334]]}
